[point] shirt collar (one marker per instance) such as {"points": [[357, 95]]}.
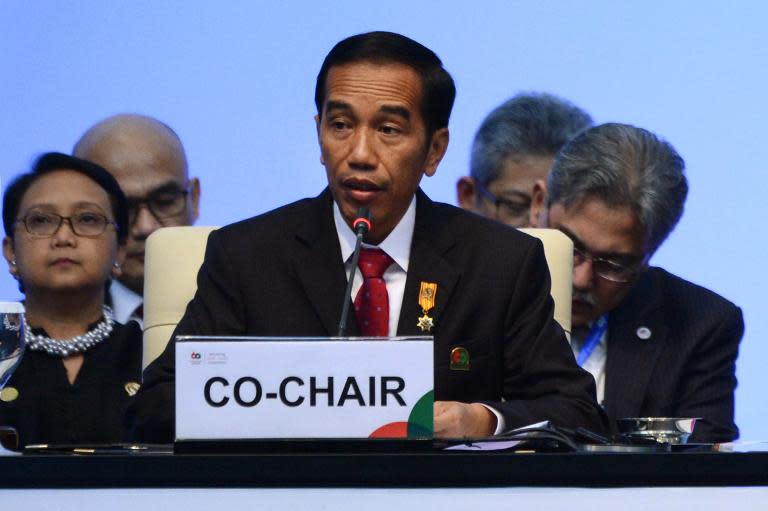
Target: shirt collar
{"points": [[124, 301], [397, 245]]}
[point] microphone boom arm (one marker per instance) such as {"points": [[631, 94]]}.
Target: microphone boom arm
{"points": [[362, 225]]}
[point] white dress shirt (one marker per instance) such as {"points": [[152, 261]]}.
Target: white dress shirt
{"points": [[397, 246], [595, 364], [124, 303]]}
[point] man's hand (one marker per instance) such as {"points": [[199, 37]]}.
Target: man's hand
{"points": [[463, 420]]}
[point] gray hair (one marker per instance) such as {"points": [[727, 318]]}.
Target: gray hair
{"points": [[623, 166], [536, 124]]}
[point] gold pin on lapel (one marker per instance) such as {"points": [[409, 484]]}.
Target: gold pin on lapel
{"points": [[131, 388], [459, 359], [9, 394], [427, 295]]}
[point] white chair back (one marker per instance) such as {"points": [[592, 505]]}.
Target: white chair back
{"points": [[173, 257], [558, 249]]}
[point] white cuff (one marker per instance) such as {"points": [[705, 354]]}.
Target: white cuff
{"points": [[501, 424]]}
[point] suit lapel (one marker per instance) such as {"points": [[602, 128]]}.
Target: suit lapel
{"points": [[427, 264], [319, 266], [636, 338]]}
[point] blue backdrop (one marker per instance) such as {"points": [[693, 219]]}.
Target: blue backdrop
{"points": [[236, 80]]}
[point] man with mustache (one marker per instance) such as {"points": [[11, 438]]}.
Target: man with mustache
{"points": [[148, 161], [656, 345], [383, 103]]}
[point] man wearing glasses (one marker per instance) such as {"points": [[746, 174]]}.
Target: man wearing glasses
{"points": [[657, 345], [148, 161], [514, 147]]}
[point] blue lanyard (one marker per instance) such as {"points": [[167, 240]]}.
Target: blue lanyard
{"points": [[593, 339]]}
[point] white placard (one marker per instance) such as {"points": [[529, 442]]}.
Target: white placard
{"points": [[231, 388]]}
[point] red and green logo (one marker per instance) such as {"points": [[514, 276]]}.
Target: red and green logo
{"points": [[419, 425]]}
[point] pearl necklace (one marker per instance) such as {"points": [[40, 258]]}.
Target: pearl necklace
{"points": [[66, 347]]}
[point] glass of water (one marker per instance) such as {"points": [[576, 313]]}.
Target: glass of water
{"points": [[11, 339]]}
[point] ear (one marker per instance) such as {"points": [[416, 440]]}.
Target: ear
{"points": [[194, 199], [538, 214], [10, 255], [438, 145], [466, 193], [317, 127]]}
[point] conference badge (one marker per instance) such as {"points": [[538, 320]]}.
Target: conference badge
{"points": [[459, 359]]}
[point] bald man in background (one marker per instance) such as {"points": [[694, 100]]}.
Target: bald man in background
{"points": [[148, 161]]}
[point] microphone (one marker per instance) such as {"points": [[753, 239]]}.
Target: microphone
{"points": [[361, 225]]}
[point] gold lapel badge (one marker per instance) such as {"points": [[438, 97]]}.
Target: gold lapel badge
{"points": [[459, 359], [427, 295], [9, 394], [131, 388]]}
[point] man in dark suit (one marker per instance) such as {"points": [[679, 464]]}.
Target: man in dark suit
{"points": [[656, 344], [383, 105]]}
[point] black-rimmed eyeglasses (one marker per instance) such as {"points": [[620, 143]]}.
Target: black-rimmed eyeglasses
{"points": [[86, 224], [165, 202]]}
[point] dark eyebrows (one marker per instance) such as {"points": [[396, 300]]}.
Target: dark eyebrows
{"points": [[514, 194], [336, 105], [168, 186], [88, 204], [400, 111], [45, 206], [397, 110], [575, 239]]}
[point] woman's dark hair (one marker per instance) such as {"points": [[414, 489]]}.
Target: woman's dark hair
{"points": [[50, 162]]}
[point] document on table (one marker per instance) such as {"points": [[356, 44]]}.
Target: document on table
{"points": [[498, 443]]}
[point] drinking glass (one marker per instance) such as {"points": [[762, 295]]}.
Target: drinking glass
{"points": [[11, 350], [11, 339]]}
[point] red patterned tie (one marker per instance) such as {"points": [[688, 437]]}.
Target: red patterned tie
{"points": [[372, 301]]}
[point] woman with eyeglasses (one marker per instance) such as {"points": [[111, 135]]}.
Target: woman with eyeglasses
{"points": [[66, 225]]}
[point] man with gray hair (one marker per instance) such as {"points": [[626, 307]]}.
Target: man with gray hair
{"points": [[148, 161], [514, 147], [657, 345]]}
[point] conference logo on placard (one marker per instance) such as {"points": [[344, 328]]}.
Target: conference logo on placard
{"points": [[420, 423], [216, 358], [195, 358]]}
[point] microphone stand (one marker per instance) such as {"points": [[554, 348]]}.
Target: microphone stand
{"points": [[362, 225]]}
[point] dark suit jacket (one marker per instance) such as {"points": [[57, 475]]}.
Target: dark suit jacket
{"points": [[282, 274], [687, 367]]}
